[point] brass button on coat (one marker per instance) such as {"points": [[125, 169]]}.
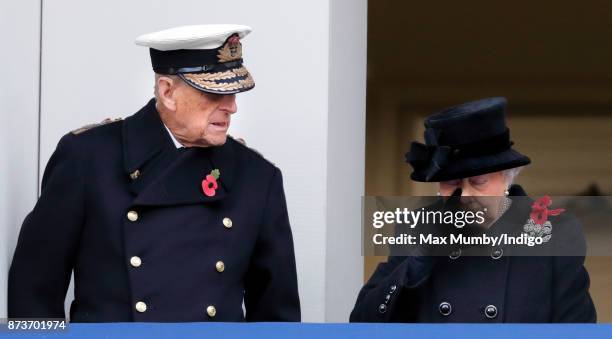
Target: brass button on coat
{"points": [[135, 261], [141, 307], [132, 216], [134, 175], [220, 266], [211, 311], [227, 222]]}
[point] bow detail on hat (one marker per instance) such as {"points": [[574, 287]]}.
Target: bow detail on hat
{"points": [[428, 158]]}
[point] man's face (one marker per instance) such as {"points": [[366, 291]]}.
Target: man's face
{"points": [[199, 119]]}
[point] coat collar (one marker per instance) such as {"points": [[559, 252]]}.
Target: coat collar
{"points": [[511, 221], [517, 191], [144, 137], [170, 176]]}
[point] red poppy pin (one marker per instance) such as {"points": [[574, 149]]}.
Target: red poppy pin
{"points": [[538, 225], [209, 184], [540, 211]]}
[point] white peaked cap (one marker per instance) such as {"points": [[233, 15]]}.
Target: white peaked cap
{"points": [[192, 37]]}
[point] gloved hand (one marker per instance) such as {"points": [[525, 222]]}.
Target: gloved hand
{"points": [[425, 257], [440, 231]]}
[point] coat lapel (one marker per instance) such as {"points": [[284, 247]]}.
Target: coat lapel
{"points": [[147, 148], [169, 176]]}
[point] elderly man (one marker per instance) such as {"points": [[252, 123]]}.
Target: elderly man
{"points": [[161, 216]]}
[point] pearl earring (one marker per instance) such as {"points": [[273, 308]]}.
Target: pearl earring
{"points": [[438, 193], [506, 193]]}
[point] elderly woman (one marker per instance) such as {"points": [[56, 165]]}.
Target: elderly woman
{"points": [[468, 152]]}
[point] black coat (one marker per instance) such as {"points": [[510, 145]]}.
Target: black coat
{"points": [[193, 251], [482, 289]]}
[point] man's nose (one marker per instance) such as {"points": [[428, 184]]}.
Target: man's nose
{"points": [[229, 104]]}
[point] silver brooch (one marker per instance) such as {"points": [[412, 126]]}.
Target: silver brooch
{"points": [[534, 230]]}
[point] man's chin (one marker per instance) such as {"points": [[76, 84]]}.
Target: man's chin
{"points": [[216, 140]]}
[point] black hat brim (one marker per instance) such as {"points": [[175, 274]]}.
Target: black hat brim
{"points": [[470, 167]]}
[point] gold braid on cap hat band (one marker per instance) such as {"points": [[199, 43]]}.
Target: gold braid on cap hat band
{"points": [[236, 72], [200, 80]]}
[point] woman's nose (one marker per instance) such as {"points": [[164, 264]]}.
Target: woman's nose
{"points": [[466, 190]]}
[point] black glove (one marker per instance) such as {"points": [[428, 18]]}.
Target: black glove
{"points": [[424, 257], [439, 231]]}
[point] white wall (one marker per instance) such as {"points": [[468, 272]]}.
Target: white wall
{"points": [[300, 115], [19, 60]]}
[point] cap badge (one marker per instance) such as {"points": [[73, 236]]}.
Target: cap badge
{"points": [[209, 184], [232, 50]]}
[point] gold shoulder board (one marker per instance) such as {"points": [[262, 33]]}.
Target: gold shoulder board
{"points": [[90, 126]]}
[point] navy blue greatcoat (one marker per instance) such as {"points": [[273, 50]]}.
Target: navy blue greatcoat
{"points": [[124, 208]]}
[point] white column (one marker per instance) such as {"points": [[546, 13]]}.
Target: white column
{"points": [[345, 156], [19, 63]]}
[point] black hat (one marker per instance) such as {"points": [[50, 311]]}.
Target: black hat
{"points": [[465, 141]]}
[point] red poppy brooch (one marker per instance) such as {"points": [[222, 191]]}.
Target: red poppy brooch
{"points": [[538, 225], [209, 184]]}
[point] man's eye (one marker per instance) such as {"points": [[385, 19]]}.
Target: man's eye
{"points": [[451, 182]]}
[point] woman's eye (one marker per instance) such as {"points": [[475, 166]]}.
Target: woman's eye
{"points": [[478, 181], [451, 182]]}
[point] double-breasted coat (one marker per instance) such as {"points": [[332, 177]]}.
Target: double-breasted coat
{"points": [[484, 289], [124, 209]]}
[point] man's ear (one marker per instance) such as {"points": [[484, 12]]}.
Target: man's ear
{"points": [[166, 92]]}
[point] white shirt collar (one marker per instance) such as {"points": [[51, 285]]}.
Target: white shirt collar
{"points": [[176, 142]]}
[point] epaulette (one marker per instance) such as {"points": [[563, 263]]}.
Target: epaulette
{"points": [[90, 126]]}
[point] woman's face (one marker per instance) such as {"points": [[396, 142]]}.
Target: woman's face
{"points": [[488, 185], [479, 193]]}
